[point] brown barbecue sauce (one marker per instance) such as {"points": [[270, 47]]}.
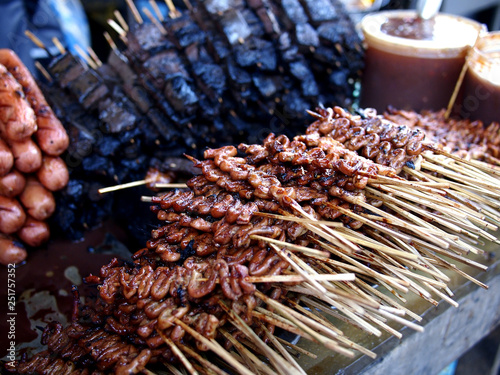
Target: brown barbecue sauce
{"points": [[409, 64]]}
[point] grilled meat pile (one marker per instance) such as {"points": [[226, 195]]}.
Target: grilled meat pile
{"points": [[196, 262], [190, 290], [218, 73]]}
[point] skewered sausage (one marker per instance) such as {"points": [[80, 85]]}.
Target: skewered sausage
{"points": [[12, 216], [53, 173], [27, 155], [51, 135], [12, 184], [34, 232], [38, 201], [11, 252], [6, 158], [17, 118]]}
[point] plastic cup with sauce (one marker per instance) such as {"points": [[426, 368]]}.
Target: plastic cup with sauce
{"points": [[481, 85], [411, 63]]}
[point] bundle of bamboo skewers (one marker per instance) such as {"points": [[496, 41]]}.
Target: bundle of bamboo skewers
{"points": [[338, 229]]}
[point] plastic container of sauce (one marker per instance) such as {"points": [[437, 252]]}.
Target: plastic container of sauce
{"points": [[481, 85], [411, 63]]}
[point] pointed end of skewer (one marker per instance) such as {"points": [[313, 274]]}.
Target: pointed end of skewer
{"points": [[154, 20], [42, 70], [135, 12], [35, 40], [59, 45], [314, 114], [111, 42]]}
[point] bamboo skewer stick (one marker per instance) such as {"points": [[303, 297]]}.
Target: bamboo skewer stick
{"points": [[122, 186], [135, 12], [286, 255], [121, 20], [290, 246], [281, 349], [177, 352], [297, 321], [111, 42], [294, 278], [458, 176], [201, 360], [44, 71], [94, 56], [85, 56], [278, 361], [324, 229], [296, 348], [333, 224], [254, 364], [170, 186], [154, 20], [174, 13], [59, 45], [214, 346], [157, 10], [36, 41]]}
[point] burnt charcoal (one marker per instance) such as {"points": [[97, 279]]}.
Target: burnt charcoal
{"points": [[218, 46], [107, 145], [98, 164], [209, 108], [339, 78], [74, 189], [325, 54], [228, 71], [330, 33], [134, 164], [162, 124], [258, 53], [212, 76], [81, 144], [271, 25], [147, 37], [165, 66], [189, 34], [295, 106], [254, 23], [267, 86], [129, 136], [306, 35], [300, 70], [320, 10], [237, 75], [216, 7], [294, 11], [235, 27], [181, 95], [139, 96], [116, 115]]}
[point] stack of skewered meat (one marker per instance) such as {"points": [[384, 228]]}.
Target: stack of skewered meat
{"points": [[31, 140], [465, 138], [269, 235], [217, 73]]}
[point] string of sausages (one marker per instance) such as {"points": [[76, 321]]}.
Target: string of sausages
{"points": [[31, 169]]}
